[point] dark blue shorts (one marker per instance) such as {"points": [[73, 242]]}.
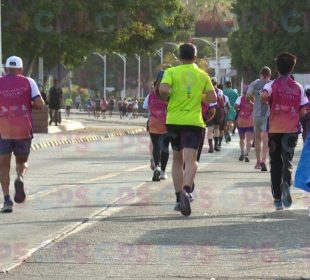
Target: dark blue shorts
{"points": [[243, 130], [18, 147]]}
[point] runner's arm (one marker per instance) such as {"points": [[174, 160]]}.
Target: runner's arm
{"points": [[264, 96], [38, 103], [164, 90], [210, 96]]}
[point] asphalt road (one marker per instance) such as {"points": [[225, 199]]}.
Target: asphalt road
{"points": [[93, 213]]}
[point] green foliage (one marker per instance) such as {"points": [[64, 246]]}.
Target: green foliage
{"points": [[267, 28], [68, 31]]}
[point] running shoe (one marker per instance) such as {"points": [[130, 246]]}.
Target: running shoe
{"points": [[177, 207], [241, 158], [163, 175], [7, 207], [156, 175], [185, 204], [20, 195], [258, 165], [246, 158], [278, 204], [286, 195], [264, 167]]}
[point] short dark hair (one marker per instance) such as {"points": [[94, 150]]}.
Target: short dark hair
{"points": [[285, 63], [265, 72], [228, 84], [187, 51]]}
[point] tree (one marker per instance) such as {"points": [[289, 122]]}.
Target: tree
{"points": [[267, 28], [67, 31]]}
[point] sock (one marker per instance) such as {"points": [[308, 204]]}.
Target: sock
{"points": [[178, 194], [187, 189], [7, 198]]}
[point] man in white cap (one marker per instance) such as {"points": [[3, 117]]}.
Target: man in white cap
{"points": [[18, 96]]}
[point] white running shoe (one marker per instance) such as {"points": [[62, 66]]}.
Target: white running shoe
{"points": [[163, 175]]}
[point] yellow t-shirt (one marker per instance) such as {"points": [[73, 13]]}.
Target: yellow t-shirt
{"points": [[69, 102], [188, 83]]}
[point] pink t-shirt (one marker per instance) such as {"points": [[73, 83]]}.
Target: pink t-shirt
{"points": [[245, 112], [158, 111], [16, 94], [286, 97]]}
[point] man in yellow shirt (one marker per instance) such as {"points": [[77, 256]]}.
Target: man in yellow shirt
{"points": [[68, 103], [185, 87]]}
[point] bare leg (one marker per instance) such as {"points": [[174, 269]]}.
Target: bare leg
{"points": [[21, 165], [177, 170], [191, 166], [265, 146], [258, 146], [249, 138], [242, 143], [5, 165]]}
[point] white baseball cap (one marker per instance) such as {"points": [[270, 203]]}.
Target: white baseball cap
{"points": [[14, 62]]}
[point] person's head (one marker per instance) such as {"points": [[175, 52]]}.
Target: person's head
{"points": [[55, 82], [228, 84], [285, 63], [14, 65], [265, 73], [214, 81], [187, 53], [220, 86]]}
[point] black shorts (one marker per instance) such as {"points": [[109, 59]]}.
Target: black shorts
{"points": [[184, 136]]}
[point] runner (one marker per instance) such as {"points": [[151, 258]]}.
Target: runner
{"points": [[158, 130], [223, 124], [219, 117], [68, 104], [244, 108], [231, 116], [54, 102], [103, 107], [287, 101], [18, 95], [260, 117], [185, 86], [111, 106], [97, 109]]}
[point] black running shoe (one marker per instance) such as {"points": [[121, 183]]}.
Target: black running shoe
{"points": [[20, 195], [156, 175], [264, 167], [246, 158], [286, 195], [185, 204], [241, 158]]}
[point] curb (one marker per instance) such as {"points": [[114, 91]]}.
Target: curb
{"points": [[85, 139]]}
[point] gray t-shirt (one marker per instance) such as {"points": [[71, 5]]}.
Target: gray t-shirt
{"points": [[260, 110]]}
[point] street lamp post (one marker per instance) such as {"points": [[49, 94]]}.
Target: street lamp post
{"points": [[214, 46], [123, 57], [104, 59], [138, 57], [160, 53]]}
